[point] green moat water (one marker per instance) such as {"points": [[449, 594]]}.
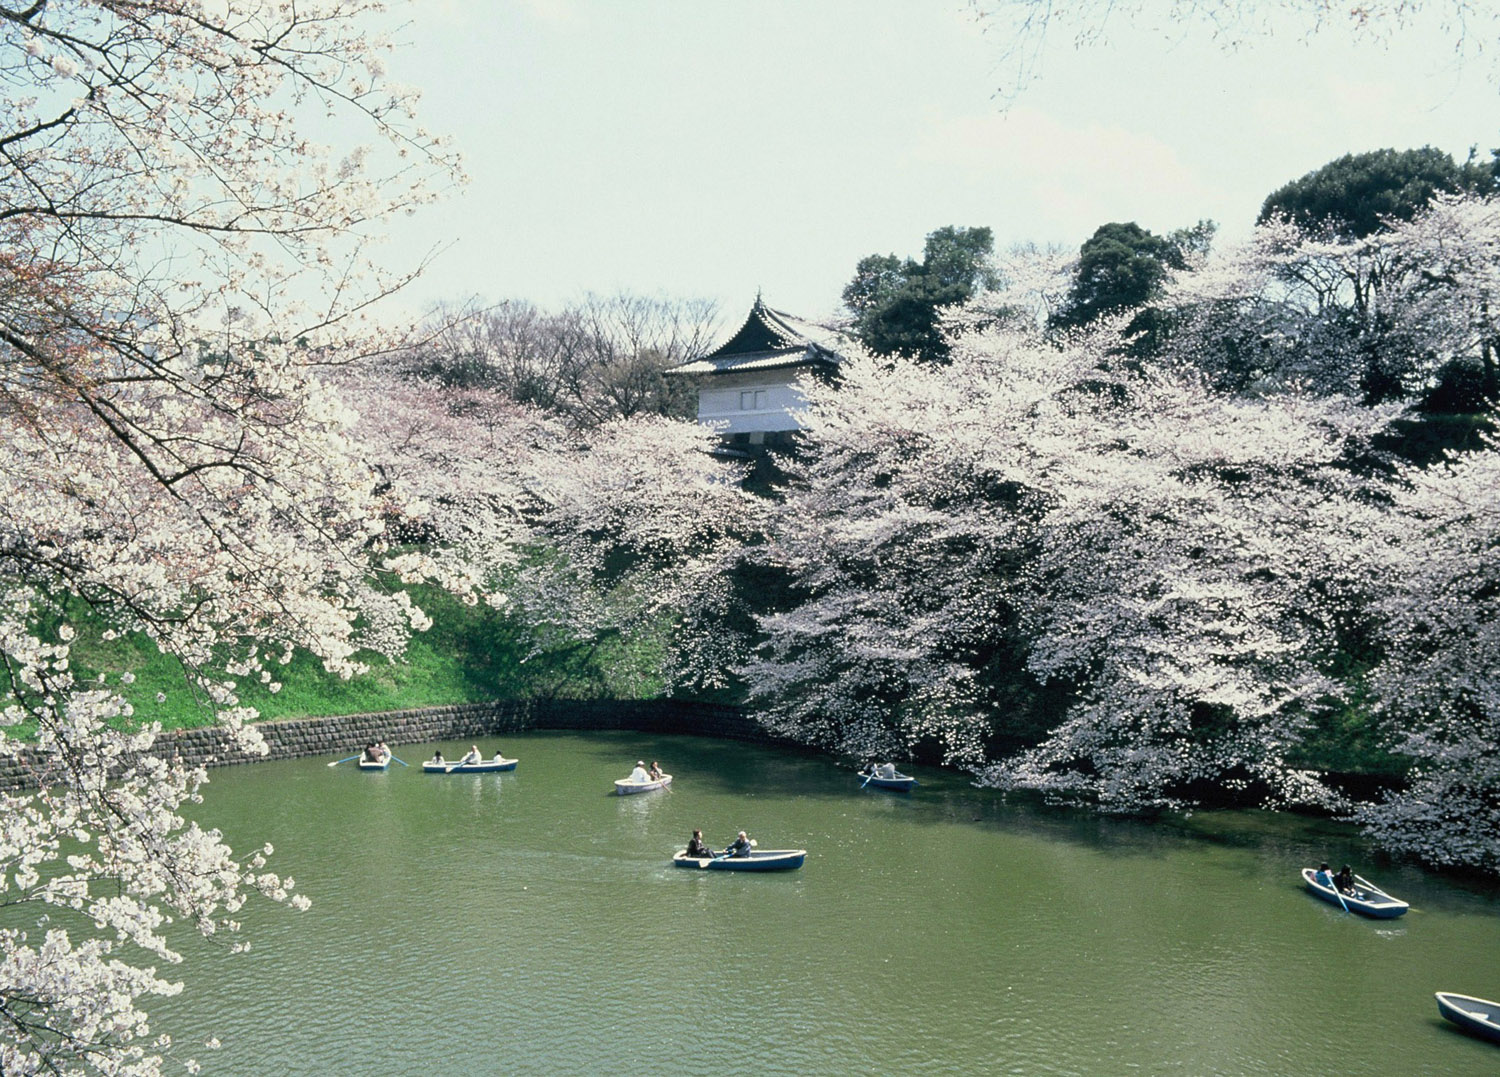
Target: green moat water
{"points": [[530, 923]]}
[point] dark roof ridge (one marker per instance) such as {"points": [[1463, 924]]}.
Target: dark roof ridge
{"points": [[768, 329]]}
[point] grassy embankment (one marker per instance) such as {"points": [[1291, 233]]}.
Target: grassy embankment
{"points": [[471, 654]]}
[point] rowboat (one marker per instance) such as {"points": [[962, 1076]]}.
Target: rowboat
{"points": [[486, 766], [625, 786], [374, 764], [1367, 898], [1476, 1015], [899, 782], [758, 860]]}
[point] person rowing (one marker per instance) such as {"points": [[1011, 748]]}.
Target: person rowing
{"points": [[740, 847], [471, 756], [1344, 880], [639, 774]]}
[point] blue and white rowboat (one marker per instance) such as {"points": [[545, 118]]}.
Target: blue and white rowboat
{"points": [[758, 860], [1476, 1015], [374, 764], [485, 766], [898, 782], [1367, 898]]}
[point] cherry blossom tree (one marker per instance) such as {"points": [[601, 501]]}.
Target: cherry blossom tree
{"points": [[1436, 690], [178, 254], [1148, 544], [625, 529], [896, 530], [1382, 315]]}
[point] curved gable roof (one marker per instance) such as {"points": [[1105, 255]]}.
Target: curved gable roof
{"points": [[769, 339]]}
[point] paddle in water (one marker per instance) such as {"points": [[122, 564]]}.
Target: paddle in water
{"points": [[1334, 887], [346, 759]]}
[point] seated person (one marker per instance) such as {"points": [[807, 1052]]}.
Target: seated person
{"points": [[1344, 880], [437, 757], [655, 771], [1322, 876], [639, 773], [471, 756], [741, 846], [371, 753], [499, 755], [697, 846], [887, 770]]}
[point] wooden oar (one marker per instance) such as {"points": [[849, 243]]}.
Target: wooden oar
{"points": [[347, 759], [1335, 888]]}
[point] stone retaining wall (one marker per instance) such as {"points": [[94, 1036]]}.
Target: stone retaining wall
{"points": [[346, 734]]}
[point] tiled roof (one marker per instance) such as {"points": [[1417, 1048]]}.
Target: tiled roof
{"points": [[770, 339]]}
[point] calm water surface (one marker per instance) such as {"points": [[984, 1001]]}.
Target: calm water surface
{"points": [[530, 923]]}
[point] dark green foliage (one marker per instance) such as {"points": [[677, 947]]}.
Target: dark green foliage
{"points": [[896, 301], [1122, 266], [1348, 198], [1119, 266]]}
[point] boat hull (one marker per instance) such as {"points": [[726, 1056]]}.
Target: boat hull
{"points": [[366, 764], [625, 787], [901, 783], [1376, 904], [1476, 1015], [758, 860], [489, 766]]}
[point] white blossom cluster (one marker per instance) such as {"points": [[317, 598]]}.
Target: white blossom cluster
{"points": [[171, 464]]}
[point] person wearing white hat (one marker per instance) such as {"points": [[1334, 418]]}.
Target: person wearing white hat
{"points": [[639, 773]]}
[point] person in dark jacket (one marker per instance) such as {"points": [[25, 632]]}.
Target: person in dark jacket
{"points": [[697, 846], [1344, 880], [741, 846]]}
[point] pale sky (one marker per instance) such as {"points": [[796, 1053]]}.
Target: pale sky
{"points": [[713, 148]]}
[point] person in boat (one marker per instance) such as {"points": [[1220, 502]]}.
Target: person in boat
{"points": [[437, 758], [1323, 877], [371, 753], [655, 771], [886, 770], [741, 846], [1344, 880], [471, 756], [697, 846], [382, 753], [639, 773], [499, 755]]}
